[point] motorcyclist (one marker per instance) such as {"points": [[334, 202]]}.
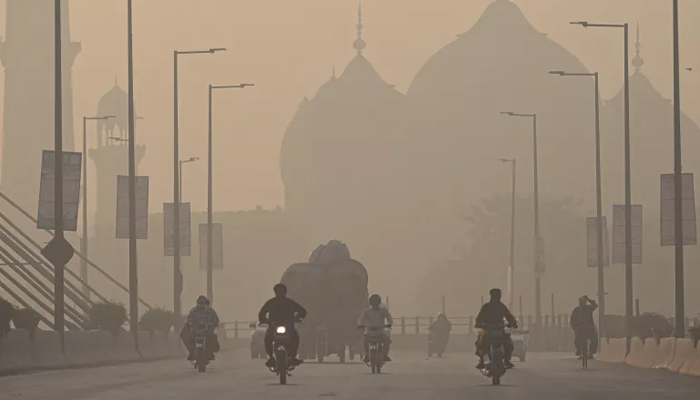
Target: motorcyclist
{"points": [[440, 329], [281, 311], [376, 316], [202, 313], [584, 326], [493, 313]]}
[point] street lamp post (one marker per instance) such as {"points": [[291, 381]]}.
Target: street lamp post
{"points": [[189, 160], [538, 239], [599, 194], [629, 294], [177, 273], [210, 186], [677, 172], [84, 239], [513, 162]]}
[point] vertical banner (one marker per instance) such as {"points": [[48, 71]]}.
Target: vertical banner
{"points": [[169, 229], [619, 244], [668, 216], [123, 207], [72, 167], [217, 261], [592, 242]]}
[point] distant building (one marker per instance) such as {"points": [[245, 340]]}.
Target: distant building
{"points": [[27, 53]]}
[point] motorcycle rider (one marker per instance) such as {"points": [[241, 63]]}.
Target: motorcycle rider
{"points": [[376, 316], [441, 329], [201, 313], [281, 311], [493, 313], [584, 326]]}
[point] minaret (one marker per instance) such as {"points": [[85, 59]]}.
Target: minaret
{"points": [[359, 44], [637, 61], [27, 54], [110, 157]]}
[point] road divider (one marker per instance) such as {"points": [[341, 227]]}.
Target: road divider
{"points": [[676, 355]]}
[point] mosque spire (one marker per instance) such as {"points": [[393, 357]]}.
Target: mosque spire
{"points": [[637, 61], [359, 44]]}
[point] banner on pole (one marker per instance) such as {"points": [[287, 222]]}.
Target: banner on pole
{"points": [[123, 207], [619, 244], [592, 242], [169, 229], [217, 260], [668, 216], [72, 167]]}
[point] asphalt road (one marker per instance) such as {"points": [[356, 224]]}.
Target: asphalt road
{"points": [[409, 377]]}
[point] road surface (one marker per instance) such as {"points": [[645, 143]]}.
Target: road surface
{"points": [[409, 377]]}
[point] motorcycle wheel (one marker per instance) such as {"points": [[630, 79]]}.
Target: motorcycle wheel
{"points": [[281, 358], [201, 362]]}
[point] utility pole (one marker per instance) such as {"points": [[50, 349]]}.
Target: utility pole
{"points": [[133, 257]]}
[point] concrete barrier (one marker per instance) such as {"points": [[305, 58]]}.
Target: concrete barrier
{"points": [[683, 348], [639, 356], [691, 360], [665, 353], [613, 350], [15, 350], [46, 350]]}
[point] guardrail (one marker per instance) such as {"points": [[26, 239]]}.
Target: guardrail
{"points": [[419, 325]]}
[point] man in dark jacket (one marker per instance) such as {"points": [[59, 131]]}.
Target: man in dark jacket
{"points": [[584, 326], [494, 313], [281, 311]]}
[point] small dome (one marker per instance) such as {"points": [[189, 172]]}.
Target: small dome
{"points": [[114, 102]]}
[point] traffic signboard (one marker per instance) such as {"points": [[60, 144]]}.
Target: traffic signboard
{"points": [[668, 216], [169, 227], [72, 163], [123, 207], [619, 242]]}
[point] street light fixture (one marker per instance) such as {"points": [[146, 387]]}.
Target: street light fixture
{"points": [[189, 160], [599, 193], [210, 186], [84, 239], [513, 162], [538, 240], [177, 273], [629, 295]]}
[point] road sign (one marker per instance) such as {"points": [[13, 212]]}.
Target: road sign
{"points": [[592, 242], [668, 216], [217, 261], [619, 243], [72, 163], [123, 207], [169, 227], [58, 251]]}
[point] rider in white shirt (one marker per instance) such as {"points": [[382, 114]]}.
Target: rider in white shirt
{"points": [[376, 316]]}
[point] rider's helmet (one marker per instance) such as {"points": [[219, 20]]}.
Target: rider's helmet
{"points": [[583, 300], [280, 290], [441, 316], [375, 300], [202, 300], [495, 294]]}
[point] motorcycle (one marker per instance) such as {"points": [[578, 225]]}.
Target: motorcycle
{"points": [[283, 361], [202, 355], [376, 348], [495, 366], [436, 344]]}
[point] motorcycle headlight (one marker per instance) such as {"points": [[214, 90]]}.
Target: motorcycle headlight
{"points": [[281, 330]]}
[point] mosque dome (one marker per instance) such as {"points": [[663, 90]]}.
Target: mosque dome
{"points": [[340, 147], [501, 64], [115, 103]]}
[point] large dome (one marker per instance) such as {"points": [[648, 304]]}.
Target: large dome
{"points": [[501, 64]]}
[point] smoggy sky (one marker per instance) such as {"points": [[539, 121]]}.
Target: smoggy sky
{"points": [[289, 48]]}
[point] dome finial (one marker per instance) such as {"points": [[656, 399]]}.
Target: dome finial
{"points": [[637, 61], [359, 44]]}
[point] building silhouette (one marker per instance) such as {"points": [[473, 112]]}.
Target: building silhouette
{"points": [[27, 54]]}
